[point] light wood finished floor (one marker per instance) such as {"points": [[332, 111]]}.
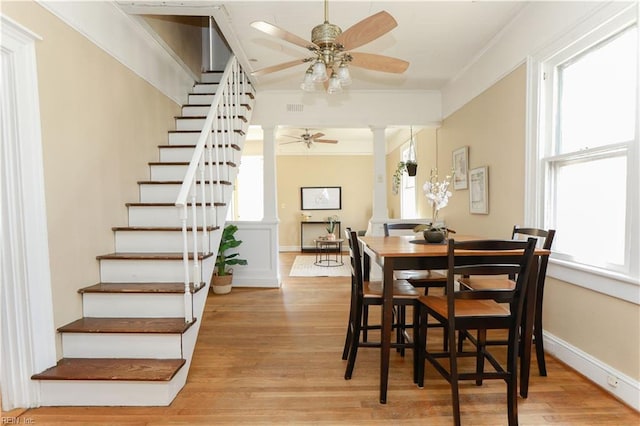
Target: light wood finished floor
{"points": [[273, 356]]}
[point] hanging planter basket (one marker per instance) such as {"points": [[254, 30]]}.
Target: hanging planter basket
{"points": [[412, 168]]}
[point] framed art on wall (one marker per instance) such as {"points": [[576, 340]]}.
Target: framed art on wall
{"points": [[460, 167], [321, 198], [479, 190]]}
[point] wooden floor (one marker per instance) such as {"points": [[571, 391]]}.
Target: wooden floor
{"points": [[273, 356]]}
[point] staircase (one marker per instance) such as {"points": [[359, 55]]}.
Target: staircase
{"points": [[134, 344]]}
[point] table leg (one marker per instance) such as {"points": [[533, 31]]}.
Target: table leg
{"points": [[387, 321], [527, 335]]}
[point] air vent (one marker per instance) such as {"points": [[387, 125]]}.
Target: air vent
{"points": [[295, 107]]}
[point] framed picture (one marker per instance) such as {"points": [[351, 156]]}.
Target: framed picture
{"points": [[321, 198], [479, 190], [460, 167]]}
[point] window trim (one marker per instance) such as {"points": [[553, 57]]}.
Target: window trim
{"points": [[602, 26]]}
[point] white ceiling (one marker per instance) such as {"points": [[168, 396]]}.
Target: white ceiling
{"points": [[438, 38]]}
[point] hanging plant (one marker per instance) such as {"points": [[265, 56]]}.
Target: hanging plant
{"points": [[397, 177]]}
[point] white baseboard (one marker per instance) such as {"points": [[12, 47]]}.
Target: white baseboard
{"points": [[627, 389]]}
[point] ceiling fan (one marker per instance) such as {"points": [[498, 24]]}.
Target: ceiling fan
{"points": [[308, 139], [332, 50]]}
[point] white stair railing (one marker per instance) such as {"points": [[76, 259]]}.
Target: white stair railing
{"points": [[206, 169]]}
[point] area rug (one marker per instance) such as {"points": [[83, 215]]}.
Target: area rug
{"points": [[303, 266]]}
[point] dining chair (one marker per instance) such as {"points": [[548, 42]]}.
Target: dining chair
{"points": [[479, 311], [368, 293], [418, 278], [546, 238]]}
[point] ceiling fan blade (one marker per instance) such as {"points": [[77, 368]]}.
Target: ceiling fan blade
{"points": [[367, 30], [316, 135], [375, 62], [287, 143], [325, 141], [278, 67], [285, 35]]}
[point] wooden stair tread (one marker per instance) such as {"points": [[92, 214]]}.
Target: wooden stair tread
{"points": [[199, 204], [203, 117], [186, 163], [154, 288], [160, 228], [126, 325], [174, 182], [149, 256], [232, 146], [238, 131], [125, 369]]}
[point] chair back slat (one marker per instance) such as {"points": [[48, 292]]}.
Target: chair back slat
{"points": [[399, 226]]}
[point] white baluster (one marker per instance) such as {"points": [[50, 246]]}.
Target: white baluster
{"points": [[194, 232], [188, 307]]}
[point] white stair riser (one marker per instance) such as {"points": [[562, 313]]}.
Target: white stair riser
{"points": [[155, 241], [203, 110], [191, 138], [205, 88], [201, 99], [132, 270], [167, 193], [169, 172], [183, 123], [133, 305], [111, 392], [183, 154], [168, 216], [121, 345], [210, 77]]}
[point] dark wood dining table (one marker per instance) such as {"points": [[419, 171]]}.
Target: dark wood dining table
{"points": [[406, 252]]}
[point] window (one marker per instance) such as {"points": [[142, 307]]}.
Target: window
{"points": [[407, 191], [588, 151]]}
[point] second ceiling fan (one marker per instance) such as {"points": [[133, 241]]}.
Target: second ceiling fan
{"points": [[332, 50], [308, 139]]}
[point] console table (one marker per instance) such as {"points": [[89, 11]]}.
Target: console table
{"points": [[318, 228]]}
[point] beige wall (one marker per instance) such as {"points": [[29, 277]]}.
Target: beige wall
{"points": [[100, 126], [493, 126], [183, 34], [353, 173]]}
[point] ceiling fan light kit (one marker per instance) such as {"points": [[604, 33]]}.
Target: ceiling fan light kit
{"points": [[329, 64]]}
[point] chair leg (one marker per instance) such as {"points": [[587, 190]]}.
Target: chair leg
{"points": [[400, 328], [537, 339], [453, 366], [365, 322], [512, 385], [417, 347], [355, 343], [480, 349], [421, 344], [349, 337]]}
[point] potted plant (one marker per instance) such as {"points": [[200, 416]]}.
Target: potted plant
{"points": [[409, 166], [331, 226], [222, 276], [437, 194]]}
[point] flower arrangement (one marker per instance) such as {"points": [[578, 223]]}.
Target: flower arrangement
{"points": [[437, 194]]}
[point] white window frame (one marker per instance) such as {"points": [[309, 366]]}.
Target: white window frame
{"points": [[620, 284]]}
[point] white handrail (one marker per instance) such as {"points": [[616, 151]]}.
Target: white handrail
{"points": [[221, 118]]}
